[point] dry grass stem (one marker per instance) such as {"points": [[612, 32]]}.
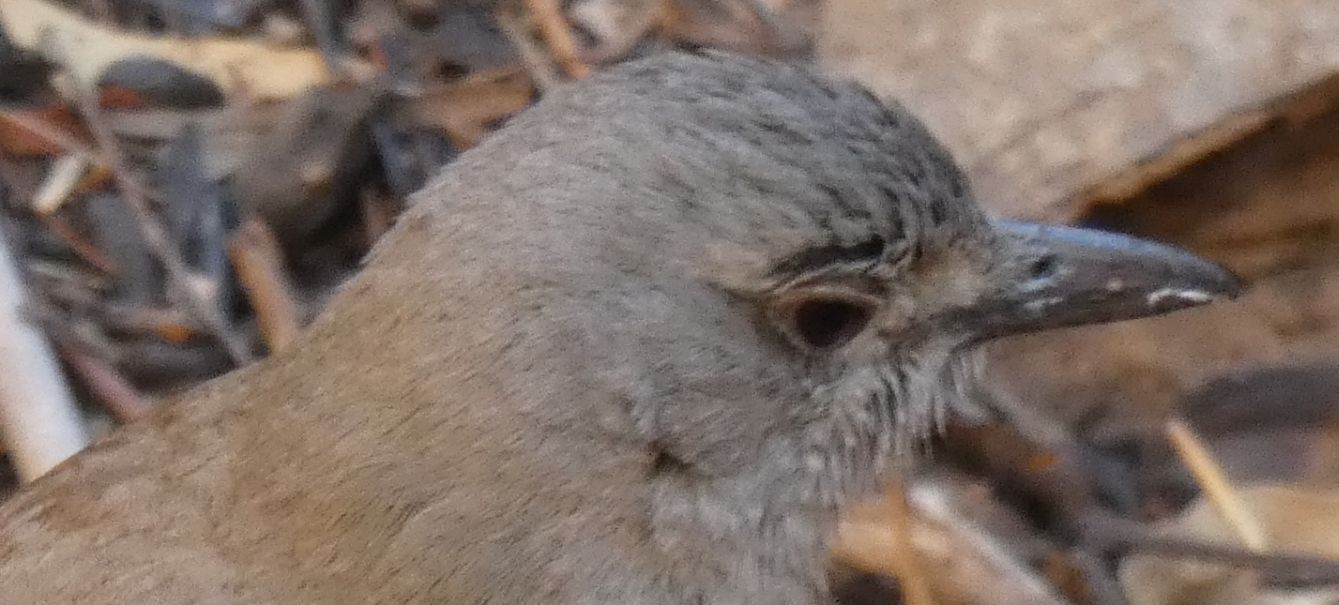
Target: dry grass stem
{"points": [[1217, 488]]}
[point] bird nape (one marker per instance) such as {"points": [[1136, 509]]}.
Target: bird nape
{"points": [[636, 348]]}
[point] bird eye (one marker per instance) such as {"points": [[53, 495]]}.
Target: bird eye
{"points": [[823, 323]]}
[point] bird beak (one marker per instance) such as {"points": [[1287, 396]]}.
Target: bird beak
{"points": [[1053, 277]]}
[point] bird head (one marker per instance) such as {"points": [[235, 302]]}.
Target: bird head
{"points": [[774, 270]]}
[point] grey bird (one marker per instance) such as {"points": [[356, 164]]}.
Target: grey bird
{"points": [[639, 347]]}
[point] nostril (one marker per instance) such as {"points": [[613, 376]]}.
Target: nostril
{"points": [[938, 213], [1043, 267]]}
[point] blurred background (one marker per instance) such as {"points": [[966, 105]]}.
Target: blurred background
{"points": [[183, 183]]}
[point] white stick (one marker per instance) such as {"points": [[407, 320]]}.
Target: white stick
{"points": [[38, 419]]}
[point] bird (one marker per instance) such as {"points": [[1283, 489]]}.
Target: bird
{"points": [[640, 347]]}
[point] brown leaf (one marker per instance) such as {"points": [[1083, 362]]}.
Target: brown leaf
{"points": [[466, 109], [1296, 520]]}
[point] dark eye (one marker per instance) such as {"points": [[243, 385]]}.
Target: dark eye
{"points": [[823, 323]]}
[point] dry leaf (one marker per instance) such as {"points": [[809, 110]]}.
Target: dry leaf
{"points": [[1295, 520], [966, 564], [262, 70]]}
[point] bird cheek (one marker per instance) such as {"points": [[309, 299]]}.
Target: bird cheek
{"points": [[958, 279]]}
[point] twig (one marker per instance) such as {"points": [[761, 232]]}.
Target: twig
{"points": [[536, 62], [70, 144], [178, 275], [904, 563], [167, 324], [1217, 488], [259, 264], [90, 253], [64, 177], [37, 413], [548, 16], [121, 399], [1111, 534], [53, 135]]}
